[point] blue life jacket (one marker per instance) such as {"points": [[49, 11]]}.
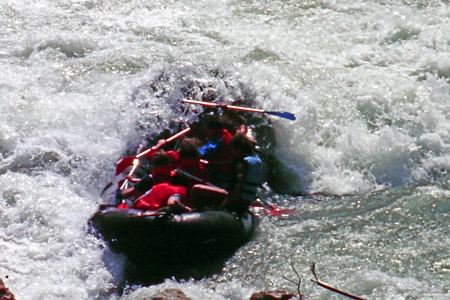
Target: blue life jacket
{"points": [[253, 178]]}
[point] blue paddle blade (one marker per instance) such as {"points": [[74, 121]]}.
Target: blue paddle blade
{"points": [[282, 114]]}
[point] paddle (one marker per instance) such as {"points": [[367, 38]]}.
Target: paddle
{"points": [[271, 209], [125, 161], [190, 176], [164, 142], [275, 210], [135, 165], [281, 114]]}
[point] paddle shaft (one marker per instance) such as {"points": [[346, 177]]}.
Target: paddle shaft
{"points": [[212, 104], [272, 209], [152, 149], [165, 142], [189, 175], [286, 115], [135, 165]]}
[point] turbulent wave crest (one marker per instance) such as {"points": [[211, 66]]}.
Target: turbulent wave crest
{"points": [[159, 98]]}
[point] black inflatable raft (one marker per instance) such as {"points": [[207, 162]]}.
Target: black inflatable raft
{"points": [[167, 238]]}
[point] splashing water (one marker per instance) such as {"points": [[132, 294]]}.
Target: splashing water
{"points": [[369, 82]]}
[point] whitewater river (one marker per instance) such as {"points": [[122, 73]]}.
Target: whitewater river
{"points": [[369, 82]]}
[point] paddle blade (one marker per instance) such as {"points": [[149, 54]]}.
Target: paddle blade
{"points": [[281, 212], [262, 207], [124, 163], [282, 114]]}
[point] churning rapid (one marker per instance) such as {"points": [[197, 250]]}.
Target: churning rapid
{"points": [[366, 164]]}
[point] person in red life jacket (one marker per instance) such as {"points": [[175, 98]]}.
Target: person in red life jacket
{"points": [[161, 166], [165, 194], [187, 159], [248, 174], [160, 172], [217, 152]]}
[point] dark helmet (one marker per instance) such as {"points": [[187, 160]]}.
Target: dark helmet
{"points": [[161, 160], [189, 148]]}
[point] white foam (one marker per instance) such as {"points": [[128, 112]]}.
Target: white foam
{"points": [[367, 80]]}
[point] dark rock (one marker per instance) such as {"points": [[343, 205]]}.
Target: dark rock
{"points": [[170, 294], [273, 295], [5, 293]]}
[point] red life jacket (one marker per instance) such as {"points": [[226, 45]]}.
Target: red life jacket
{"points": [[174, 156], [157, 197], [192, 166], [161, 174]]}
